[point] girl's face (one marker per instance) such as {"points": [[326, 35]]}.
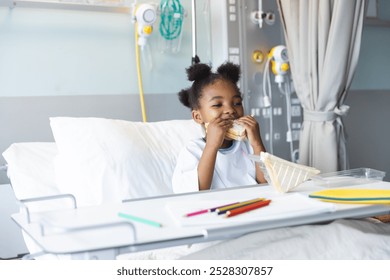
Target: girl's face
{"points": [[219, 100]]}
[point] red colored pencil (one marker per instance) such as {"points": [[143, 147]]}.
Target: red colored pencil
{"points": [[247, 208], [223, 210]]}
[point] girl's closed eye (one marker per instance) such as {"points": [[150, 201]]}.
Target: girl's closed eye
{"points": [[216, 105]]}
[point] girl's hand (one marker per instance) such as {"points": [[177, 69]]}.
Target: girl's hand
{"points": [[253, 132], [216, 130]]}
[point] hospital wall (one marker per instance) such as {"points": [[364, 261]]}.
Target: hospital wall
{"points": [[367, 123], [83, 64]]}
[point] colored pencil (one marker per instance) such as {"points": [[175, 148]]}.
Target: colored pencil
{"points": [[197, 213], [247, 208], [223, 210], [138, 219], [206, 210], [215, 208]]}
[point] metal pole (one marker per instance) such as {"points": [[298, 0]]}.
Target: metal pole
{"points": [[195, 58]]}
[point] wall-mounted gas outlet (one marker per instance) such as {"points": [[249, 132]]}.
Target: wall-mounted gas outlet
{"points": [[265, 112], [295, 111], [277, 111], [255, 112], [296, 125], [295, 135]]}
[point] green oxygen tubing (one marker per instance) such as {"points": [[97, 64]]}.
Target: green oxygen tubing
{"points": [[172, 15]]}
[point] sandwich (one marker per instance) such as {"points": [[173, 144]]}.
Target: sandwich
{"points": [[284, 175], [236, 132]]}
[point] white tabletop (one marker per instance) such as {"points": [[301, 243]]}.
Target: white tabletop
{"points": [[66, 231]]}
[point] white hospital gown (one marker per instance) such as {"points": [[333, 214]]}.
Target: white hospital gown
{"points": [[232, 167]]}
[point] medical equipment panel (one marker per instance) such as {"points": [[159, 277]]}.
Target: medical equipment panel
{"points": [[254, 39]]}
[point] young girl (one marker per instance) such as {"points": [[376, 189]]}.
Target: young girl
{"points": [[217, 161]]}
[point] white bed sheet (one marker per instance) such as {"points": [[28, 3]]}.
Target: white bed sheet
{"points": [[344, 239], [350, 239]]}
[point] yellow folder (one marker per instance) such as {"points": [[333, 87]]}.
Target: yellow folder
{"points": [[357, 196]]}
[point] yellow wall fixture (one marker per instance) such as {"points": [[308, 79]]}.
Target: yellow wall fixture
{"points": [[257, 56], [144, 17], [139, 75], [279, 62]]}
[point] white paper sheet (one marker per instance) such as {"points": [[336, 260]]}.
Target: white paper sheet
{"points": [[281, 207]]}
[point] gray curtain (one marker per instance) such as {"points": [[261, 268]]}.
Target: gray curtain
{"points": [[323, 42]]}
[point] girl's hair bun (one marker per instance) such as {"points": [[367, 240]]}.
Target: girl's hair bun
{"points": [[198, 71], [184, 97], [230, 71]]}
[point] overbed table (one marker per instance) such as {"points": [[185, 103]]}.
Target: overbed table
{"points": [[98, 232]]}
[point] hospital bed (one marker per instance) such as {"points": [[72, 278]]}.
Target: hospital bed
{"points": [[72, 190]]}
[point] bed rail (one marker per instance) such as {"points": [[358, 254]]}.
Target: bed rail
{"points": [[45, 198]]}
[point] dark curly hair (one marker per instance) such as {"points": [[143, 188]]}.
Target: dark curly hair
{"points": [[201, 76]]}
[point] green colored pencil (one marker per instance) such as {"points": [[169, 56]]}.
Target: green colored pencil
{"points": [[138, 219]]}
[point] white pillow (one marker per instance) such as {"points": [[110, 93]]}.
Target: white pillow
{"points": [[31, 169], [105, 160]]}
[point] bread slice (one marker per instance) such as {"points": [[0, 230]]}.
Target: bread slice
{"points": [[236, 132]]}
